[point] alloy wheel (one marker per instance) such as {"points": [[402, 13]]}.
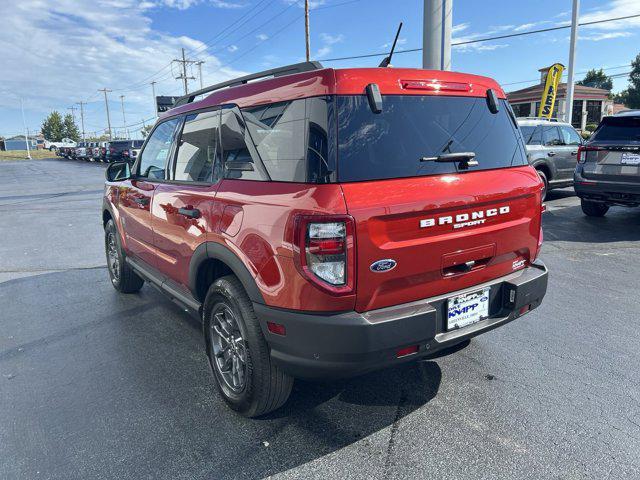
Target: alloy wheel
{"points": [[113, 259], [228, 348]]}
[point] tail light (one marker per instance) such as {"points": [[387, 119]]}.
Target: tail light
{"points": [[435, 85], [326, 251], [582, 153]]}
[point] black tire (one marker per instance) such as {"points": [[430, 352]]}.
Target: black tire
{"points": [[593, 209], [264, 387], [545, 181], [52, 148], [122, 276]]}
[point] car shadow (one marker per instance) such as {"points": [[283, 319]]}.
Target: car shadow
{"points": [[570, 224], [125, 377]]}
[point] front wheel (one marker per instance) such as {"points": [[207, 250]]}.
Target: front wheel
{"points": [[238, 352], [593, 209]]}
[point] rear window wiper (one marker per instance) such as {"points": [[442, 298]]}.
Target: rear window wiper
{"points": [[467, 159]]}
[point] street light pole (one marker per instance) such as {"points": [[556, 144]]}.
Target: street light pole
{"points": [[436, 34], [26, 131], [572, 60], [82, 117], [106, 104], [124, 119], [155, 101]]}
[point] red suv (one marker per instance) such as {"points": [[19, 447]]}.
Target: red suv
{"points": [[325, 223]]}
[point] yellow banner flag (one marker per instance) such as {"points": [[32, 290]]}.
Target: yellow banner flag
{"points": [[548, 100]]}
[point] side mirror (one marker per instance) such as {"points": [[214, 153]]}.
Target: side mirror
{"points": [[118, 171]]}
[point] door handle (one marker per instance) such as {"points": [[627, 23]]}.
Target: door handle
{"points": [[189, 212], [141, 200], [551, 154]]}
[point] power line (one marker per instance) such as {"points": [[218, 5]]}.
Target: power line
{"points": [[485, 39], [564, 75]]}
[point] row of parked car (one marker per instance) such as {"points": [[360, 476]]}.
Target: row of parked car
{"points": [[107, 152]]}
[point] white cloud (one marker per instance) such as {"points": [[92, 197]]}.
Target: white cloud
{"points": [[232, 48], [185, 4], [401, 41], [459, 28], [57, 53], [312, 3], [331, 39], [614, 9], [596, 37], [262, 36], [328, 41]]}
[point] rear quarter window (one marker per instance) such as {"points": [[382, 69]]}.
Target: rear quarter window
{"points": [[390, 144]]}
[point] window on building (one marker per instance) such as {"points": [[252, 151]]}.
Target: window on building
{"points": [[522, 109], [576, 114], [594, 111]]}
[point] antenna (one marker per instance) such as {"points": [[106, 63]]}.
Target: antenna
{"points": [[387, 60]]}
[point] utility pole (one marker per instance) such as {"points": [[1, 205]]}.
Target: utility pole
{"points": [[124, 119], [572, 60], [306, 29], [82, 117], [155, 102], [199, 64], [106, 104], [26, 130], [183, 75], [73, 112], [436, 34]]}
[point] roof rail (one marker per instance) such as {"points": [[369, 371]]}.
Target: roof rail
{"points": [[538, 118], [274, 72]]}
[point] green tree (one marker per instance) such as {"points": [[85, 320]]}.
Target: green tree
{"points": [[632, 94], [70, 129], [53, 127], [596, 79]]}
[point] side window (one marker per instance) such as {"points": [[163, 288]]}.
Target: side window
{"points": [[239, 161], [550, 136], [199, 149], [153, 158], [570, 136]]}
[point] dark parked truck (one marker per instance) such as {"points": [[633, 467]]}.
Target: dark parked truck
{"points": [[324, 223], [608, 169]]}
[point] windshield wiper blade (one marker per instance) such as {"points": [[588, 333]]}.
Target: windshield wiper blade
{"points": [[466, 158]]}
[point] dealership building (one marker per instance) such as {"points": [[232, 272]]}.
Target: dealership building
{"points": [[589, 104]]}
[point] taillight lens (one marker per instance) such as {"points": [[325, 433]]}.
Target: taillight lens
{"points": [[582, 153], [326, 253]]}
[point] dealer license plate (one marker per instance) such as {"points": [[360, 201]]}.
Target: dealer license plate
{"points": [[630, 158], [467, 309]]}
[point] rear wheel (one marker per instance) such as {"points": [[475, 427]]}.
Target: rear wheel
{"points": [[238, 352], [545, 181], [593, 209], [122, 276]]}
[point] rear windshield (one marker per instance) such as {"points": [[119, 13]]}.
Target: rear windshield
{"points": [[390, 144], [618, 129]]}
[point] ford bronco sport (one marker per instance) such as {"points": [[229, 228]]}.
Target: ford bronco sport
{"points": [[325, 223]]}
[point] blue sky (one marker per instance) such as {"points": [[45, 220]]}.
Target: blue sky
{"points": [[55, 54]]}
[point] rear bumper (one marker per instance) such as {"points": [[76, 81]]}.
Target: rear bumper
{"points": [[320, 345], [611, 193]]}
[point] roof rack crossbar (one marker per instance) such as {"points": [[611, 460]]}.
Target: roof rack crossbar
{"points": [[274, 72]]}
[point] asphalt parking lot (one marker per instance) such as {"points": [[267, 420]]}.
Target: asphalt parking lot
{"points": [[94, 384]]}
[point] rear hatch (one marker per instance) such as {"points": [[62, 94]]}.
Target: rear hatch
{"points": [[447, 226], [613, 153]]}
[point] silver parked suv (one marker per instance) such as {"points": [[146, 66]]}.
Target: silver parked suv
{"points": [[552, 149]]}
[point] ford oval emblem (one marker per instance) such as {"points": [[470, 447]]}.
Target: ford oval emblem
{"points": [[383, 265]]}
